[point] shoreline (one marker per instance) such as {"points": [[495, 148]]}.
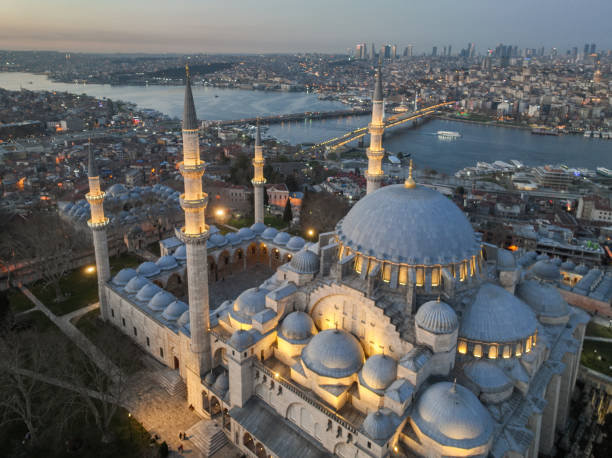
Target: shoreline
{"points": [[482, 123]]}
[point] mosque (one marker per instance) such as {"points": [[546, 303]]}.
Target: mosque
{"points": [[398, 334]]}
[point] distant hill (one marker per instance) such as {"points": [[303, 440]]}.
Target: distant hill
{"points": [[179, 72]]}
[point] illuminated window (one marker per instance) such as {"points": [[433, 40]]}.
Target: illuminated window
{"points": [[358, 262], [507, 351], [462, 347], [403, 275], [463, 271], [528, 345], [340, 252], [478, 351], [493, 352], [519, 349], [371, 265], [386, 273], [435, 276], [420, 276], [472, 267]]}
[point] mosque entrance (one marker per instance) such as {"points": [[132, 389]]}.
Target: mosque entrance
{"points": [[215, 407], [176, 363]]}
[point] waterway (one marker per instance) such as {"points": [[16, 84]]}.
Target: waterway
{"points": [[478, 142]]}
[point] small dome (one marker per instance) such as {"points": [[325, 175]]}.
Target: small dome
{"points": [[581, 269], [452, 415], [116, 190], [148, 269], [568, 266], [296, 243], [258, 228], [124, 276], [505, 260], [305, 262], [437, 317], [212, 229], [175, 310], [183, 319], [378, 426], [241, 340], [297, 327], [217, 240], [209, 379], [542, 257], [146, 293], [160, 300], [222, 383], [546, 271], [269, 233], [251, 301], [135, 284], [497, 316], [281, 238], [246, 234], [233, 238], [181, 253], [489, 377], [379, 371], [543, 298], [167, 262], [556, 261], [333, 353]]}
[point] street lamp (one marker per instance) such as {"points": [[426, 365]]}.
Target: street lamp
{"points": [[310, 233], [90, 269]]}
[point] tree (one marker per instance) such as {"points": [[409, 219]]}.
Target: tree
{"points": [[288, 213], [321, 211], [291, 183]]}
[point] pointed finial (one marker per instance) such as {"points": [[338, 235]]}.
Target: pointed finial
{"points": [[91, 166], [438, 298], [410, 183], [258, 134], [454, 387]]}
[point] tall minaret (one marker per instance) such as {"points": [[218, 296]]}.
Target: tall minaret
{"points": [[195, 234], [258, 178], [98, 223], [375, 152]]}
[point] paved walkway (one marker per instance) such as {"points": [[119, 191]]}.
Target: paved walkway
{"points": [[598, 339], [80, 312]]}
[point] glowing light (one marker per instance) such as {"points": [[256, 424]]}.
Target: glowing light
{"points": [[220, 212], [90, 269], [513, 248], [276, 375]]}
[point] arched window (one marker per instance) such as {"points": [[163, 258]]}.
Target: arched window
{"points": [[493, 352], [463, 271], [358, 264], [519, 349], [478, 351], [420, 276], [403, 275], [435, 276], [462, 347], [472, 266], [507, 351], [386, 273], [528, 345]]}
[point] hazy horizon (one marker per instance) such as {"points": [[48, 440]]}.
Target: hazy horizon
{"points": [[274, 26]]}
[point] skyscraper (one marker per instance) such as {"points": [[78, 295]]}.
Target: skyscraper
{"points": [[449, 50], [372, 52], [394, 52], [361, 51], [586, 49], [592, 48], [408, 51], [434, 51]]}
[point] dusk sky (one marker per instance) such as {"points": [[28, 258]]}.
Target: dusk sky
{"points": [[249, 26]]}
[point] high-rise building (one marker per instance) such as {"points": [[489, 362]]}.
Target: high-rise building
{"points": [[372, 52], [408, 51], [586, 49], [434, 51], [375, 152], [385, 51], [449, 50], [593, 48], [444, 51], [394, 52], [361, 51], [471, 49]]}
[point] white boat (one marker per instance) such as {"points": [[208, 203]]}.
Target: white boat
{"points": [[604, 172], [587, 133], [517, 164], [448, 134], [595, 134], [605, 135]]}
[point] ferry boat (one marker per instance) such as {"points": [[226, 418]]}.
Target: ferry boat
{"points": [[448, 134], [604, 172], [587, 133], [605, 135], [595, 134]]}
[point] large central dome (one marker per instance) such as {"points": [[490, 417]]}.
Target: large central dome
{"points": [[415, 226]]}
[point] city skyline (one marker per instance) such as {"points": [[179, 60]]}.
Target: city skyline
{"points": [[193, 27]]}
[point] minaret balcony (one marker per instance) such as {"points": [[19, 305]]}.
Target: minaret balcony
{"points": [[376, 128], [95, 197], [258, 162], [258, 182], [196, 170], [197, 239], [375, 176], [194, 203], [98, 224], [372, 154]]}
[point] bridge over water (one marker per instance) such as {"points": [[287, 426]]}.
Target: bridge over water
{"points": [[277, 119]]}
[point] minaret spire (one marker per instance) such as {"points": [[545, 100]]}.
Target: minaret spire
{"points": [[98, 223], [375, 152], [195, 234], [258, 177]]}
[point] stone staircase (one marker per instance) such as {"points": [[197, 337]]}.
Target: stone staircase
{"points": [[207, 436], [171, 381]]}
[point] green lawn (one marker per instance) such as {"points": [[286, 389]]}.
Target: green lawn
{"points": [[274, 221], [591, 354], [597, 330], [154, 248], [18, 301], [125, 260], [96, 330]]}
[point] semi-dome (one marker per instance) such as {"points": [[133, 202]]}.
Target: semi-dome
{"points": [[437, 317], [488, 376], [167, 262], [258, 228], [568, 265], [546, 271], [160, 300], [181, 253], [134, 285], [297, 327], [241, 340], [379, 371], [505, 260], [295, 243], [412, 226], [183, 319], [282, 238], [222, 383], [146, 293], [124, 276], [452, 415], [209, 378], [251, 301], [175, 310], [378, 426], [246, 234], [495, 316], [148, 269], [269, 233], [305, 262], [544, 299], [333, 353]]}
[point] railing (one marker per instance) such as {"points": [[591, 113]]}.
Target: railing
{"points": [[313, 402]]}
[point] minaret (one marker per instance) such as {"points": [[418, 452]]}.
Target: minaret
{"points": [[98, 223], [195, 234], [258, 178], [375, 152]]}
